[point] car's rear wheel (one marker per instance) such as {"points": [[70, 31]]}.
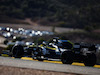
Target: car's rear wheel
{"points": [[90, 60], [67, 57]]}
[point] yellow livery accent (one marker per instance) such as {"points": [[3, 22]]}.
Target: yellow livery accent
{"points": [[51, 48]]}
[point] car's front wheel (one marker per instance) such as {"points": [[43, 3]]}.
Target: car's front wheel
{"points": [[18, 51]]}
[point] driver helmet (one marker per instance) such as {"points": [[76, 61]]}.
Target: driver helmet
{"points": [[55, 40]]}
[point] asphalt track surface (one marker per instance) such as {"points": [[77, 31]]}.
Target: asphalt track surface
{"points": [[58, 62], [7, 61], [53, 61]]}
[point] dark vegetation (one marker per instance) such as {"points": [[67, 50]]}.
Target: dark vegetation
{"points": [[63, 13]]}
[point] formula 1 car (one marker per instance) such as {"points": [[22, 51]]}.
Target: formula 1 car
{"points": [[64, 50]]}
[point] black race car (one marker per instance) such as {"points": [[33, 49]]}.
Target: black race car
{"points": [[64, 50]]}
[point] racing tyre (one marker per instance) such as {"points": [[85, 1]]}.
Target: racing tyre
{"points": [[90, 60], [67, 57], [18, 51]]}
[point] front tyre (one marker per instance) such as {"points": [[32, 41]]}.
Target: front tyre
{"points": [[67, 57], [17, 51], [90, 60]]}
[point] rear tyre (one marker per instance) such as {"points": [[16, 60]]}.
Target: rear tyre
{"points": [[67, 57], [90, 60]]}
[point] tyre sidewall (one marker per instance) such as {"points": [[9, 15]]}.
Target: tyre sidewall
{"points": [[18, 52], [90, 60], [67, 57]]}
